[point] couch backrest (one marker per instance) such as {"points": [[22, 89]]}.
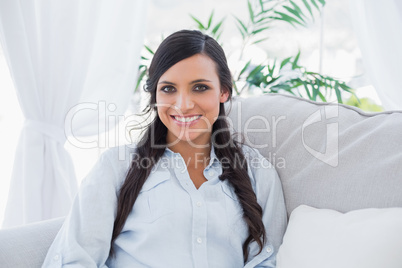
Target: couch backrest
{"points": [[327, 155]]}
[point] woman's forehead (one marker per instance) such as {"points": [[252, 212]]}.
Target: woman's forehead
{"points": [[198, 66]]}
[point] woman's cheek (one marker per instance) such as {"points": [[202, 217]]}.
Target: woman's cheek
{"points": [[162, 112]]}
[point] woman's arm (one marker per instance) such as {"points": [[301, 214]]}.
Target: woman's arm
{"points": [[268, 189], [84, 239]]}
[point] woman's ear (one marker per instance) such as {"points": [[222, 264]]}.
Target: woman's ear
{"points": [[224, 95]]}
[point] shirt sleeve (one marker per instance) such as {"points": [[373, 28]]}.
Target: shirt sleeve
{"points": [[268, 189], [84, 239]]}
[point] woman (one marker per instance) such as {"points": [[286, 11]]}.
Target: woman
{"points": [[187, 195]]}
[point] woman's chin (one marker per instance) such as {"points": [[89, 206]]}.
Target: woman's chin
{"points": [[193, 139]]}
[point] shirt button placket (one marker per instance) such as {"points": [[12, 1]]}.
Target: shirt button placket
{"points": [[199, 230]]}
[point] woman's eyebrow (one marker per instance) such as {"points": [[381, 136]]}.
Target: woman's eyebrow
{"points": [[200, 80], [192, 82], [167, 82]]}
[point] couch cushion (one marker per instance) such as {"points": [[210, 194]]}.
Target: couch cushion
{"points": [[317, 238], [327, 155], [27, 245]]}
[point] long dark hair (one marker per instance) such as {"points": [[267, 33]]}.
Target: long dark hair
{"points": [[178, 46]]}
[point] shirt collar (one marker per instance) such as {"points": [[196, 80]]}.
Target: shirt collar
{"points": [[212, 155]]}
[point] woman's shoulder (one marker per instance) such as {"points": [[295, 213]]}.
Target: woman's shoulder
{"points": [[262, 173], [112, 165], [119, 154]]}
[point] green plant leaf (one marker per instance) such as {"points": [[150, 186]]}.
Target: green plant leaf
{"points": [[297, 8], [210, 19], [286, 18], [308, 7], [241, 32], [261, 5], [322, 97], [200, 25], [217, 26], [338, 92], [345, 87], [294, 12], [259, 30], [307, 89], [271, 79], [256, 70], [244, 68], [242, 25], [284, 62], [325, 85], [250, 10], [272, 69], [235, 87], [149, 50], [322, 2], [256, 77], [315, 4], [262, 21], [260, 40], [282, 86], [294, 63], [219, 36], [315, 91]]}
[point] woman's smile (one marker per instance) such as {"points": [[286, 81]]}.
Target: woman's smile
{"points": [[187, 120]]}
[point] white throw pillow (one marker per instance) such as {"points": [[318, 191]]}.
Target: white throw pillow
{"points": [[324, 238]]}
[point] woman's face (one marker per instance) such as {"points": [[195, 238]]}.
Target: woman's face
{"points": [[188, 96]]}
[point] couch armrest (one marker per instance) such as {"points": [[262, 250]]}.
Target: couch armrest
{"points": [[27, 245]]}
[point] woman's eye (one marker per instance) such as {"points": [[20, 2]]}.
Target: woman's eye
{"points": [[201, 87], [168, 89]]}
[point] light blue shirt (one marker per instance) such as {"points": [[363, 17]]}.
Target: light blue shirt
{"points": [[172, 223]]}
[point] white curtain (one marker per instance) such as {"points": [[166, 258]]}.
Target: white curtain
{"points": [[62, 54], [378, 27]]}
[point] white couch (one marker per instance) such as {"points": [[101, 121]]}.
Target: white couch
{"points": [[327, 156]]}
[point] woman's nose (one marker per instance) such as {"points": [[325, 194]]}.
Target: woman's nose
{"points": [[184, 102]]}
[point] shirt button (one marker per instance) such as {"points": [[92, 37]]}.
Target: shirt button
{"points": [[199, 204], [269, 250], [56, 257], [199, 240], [211, 173]]}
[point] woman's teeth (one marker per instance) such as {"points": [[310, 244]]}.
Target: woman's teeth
{"points": [[187, 119]]}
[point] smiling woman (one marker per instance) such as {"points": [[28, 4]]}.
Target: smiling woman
{"points": [[186, 191]]}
